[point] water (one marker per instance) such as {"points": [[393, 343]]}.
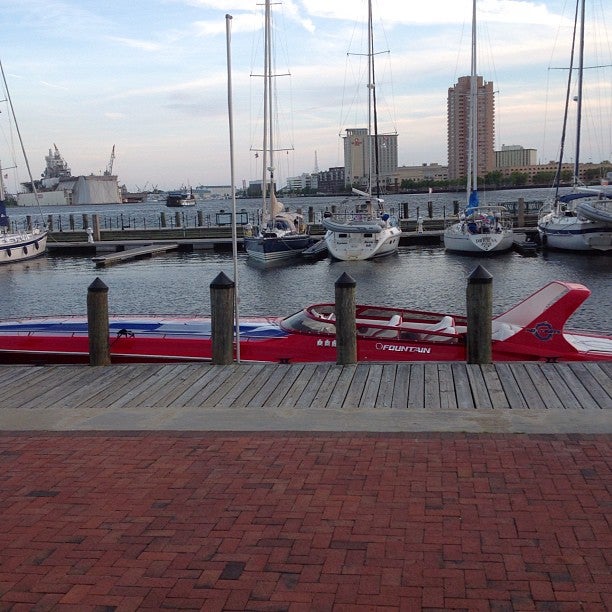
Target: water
{"points": [[179, 283]]}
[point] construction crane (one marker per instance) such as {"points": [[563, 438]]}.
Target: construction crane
{"points": [[109, 168]]}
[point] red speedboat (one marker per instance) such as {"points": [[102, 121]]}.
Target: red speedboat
{"points": [[533, 330]]}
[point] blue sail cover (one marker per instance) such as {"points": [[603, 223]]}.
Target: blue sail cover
{"points": [[472, 203], [4, 220]]}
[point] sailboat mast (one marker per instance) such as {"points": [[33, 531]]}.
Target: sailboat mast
{"points": [[267, 115], [579, 101], [374, 115], [472, 165]]}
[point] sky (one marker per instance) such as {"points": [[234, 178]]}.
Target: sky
{"points": [[150, 77]]}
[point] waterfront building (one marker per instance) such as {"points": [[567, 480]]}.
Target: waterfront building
{"points": [[458, 107], [331, 180], [306, 181], [515, 155], [359, 159]]}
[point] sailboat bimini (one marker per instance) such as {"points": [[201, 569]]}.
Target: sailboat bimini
{"points": [[281, 234], [481, 229], [582, 219]]}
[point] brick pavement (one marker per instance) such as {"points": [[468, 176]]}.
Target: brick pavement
{"points": [[301, 521]]}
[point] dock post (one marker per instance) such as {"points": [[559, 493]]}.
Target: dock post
{"points": [[85, 220], [200, 216], [456, 207], [71, 222], [97, 236], [521, 213], [29, 223], [430, 210], [162, 219], [222, 319], [405, 212], [50, 222], [346, 329], [311, 214], [97, 323], [177, 219], [479, 317]]}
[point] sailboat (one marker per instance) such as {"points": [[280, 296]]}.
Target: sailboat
{"points": [[17, 245], [369, 232], [481, 229], [580, 220], [281, 234]]}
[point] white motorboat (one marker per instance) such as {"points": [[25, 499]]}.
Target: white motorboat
{"points": [[480, 229], [582, 219], [368, 231], [280, 234]]}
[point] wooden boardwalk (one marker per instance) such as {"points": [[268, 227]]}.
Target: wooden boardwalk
{"points": [[530, 397]]}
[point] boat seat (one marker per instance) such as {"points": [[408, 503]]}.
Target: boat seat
{"points": [[394, 321], [446, 325]]}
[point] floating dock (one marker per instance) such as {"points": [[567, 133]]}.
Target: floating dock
{"points": [[102, 261]]}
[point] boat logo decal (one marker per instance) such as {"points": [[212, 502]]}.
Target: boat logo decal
{"points": [[402, 349], [544, 331], [328, 342]]}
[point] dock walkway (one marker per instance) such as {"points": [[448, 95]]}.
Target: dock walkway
{"points": [[276, 487], [502, 397]]}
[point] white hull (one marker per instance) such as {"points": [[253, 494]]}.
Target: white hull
{"points": [[457, 238], [356, 246], [571, 233], [22, 246]]}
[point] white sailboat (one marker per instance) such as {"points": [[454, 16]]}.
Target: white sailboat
{"points": [[17, 245], [481, 229], [582, 219], [281, 234], [369, 232]]}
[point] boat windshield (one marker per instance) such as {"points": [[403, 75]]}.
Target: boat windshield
{"points": [[312, 321]]}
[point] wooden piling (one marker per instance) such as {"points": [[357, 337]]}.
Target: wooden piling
{"points": [[162, 219], [177, 218], [521, 213], [222, 319], [50, 222], [97, 324], [97, 236], [85, 220], [346, 330], [29, 222], [479, 317]]}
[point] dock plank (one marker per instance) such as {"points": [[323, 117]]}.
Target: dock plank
{"points": [[293, 373], [579, 389], [275, 375], [387, 384], [448, 399], [596, 391], [511, 387], [355, 391], [545, 388], [462, 386], [530, 392], [494, 387], [313, 387], [480, 393], [201, 390], [432, 386], [328, 385], [372, 385], [342, 386], [400, 390], [416, 389]]}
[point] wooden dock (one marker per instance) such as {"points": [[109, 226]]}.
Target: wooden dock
{"points": [[133, 253], [502, 397]]}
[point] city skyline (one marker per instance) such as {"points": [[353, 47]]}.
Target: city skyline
{"points": [[151, 80]]}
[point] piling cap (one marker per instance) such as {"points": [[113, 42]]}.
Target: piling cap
{"points": [[221, 281], [98, 286], [480, 276], [346, 281]]}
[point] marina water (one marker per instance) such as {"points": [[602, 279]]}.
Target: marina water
{"points": [[424, 278]]}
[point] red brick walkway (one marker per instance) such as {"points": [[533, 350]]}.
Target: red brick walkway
{"points": [[220, 521]]}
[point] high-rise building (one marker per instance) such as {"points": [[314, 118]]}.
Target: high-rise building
{"points": [[458, 127], [515, 155], [359, 153]]}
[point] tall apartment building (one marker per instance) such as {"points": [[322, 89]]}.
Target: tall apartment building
{"points": [[458, 127], [359, 153]]}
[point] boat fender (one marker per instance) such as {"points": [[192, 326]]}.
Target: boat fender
{"points": [[36, 246], [124, 333], [25, 250], [8, 252]]}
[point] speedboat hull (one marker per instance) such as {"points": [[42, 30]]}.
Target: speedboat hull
{"points": [[531, 331], [22, 246]]}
